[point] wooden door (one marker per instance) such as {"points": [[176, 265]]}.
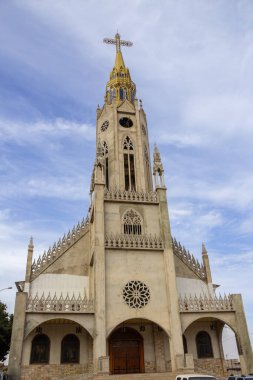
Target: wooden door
{"points": [[126, 352]]}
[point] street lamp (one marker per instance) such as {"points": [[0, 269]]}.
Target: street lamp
{"points": [[10, 287]]}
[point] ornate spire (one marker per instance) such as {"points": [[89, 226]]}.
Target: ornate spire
{"points": [[120, 86]]}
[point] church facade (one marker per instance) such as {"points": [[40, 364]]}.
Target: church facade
{"points": [[117, 294]]}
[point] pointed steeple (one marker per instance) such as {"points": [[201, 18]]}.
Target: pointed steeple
{"points": [[205, 259], [29, 260], [120, 86]]}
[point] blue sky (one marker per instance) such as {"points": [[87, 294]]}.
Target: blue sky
{"points": [[192, 62]]}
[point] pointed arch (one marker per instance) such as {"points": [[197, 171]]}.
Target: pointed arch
{"points": [[129, 164], [132, 222]]}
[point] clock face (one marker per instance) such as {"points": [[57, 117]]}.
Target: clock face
{"points": [[126, 122], [105, 125]]}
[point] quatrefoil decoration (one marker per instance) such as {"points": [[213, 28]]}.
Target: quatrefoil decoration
{"points": [[136, 294]]}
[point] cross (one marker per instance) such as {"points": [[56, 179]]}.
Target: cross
{"points": [[117, 41]]}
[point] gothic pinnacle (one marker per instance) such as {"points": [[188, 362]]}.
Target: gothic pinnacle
{"points": [[204, 251]]}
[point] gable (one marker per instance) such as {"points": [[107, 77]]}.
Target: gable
{"points": [[69, 256], [182, 270], [126, 107]]}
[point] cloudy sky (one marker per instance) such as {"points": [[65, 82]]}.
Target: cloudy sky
{"points": [[192, 62]]}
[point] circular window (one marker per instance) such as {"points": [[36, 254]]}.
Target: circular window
{"points": [[126, 122], [136, 294], [105, 125]]}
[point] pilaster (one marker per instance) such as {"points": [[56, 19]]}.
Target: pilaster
{"points": [[159, 349], [18, 328], [29, 261], [99, 275], [243, 340], [176, 341]]}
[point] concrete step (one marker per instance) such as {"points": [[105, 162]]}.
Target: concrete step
{"points": [[135, 376]]}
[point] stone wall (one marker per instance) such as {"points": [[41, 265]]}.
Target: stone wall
{"points": [[210, 366], [150, 366], [47, 371]]}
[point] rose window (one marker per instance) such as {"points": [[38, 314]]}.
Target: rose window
{"points": [[136, 294], [105, 125]]}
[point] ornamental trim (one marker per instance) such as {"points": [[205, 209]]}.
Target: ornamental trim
{"points": [[195, 304], [136, 294]]}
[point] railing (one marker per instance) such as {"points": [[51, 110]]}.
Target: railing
{"points": [[130, 196], [188, 259], [59, 305], [58, 249], [206, 303], [133, 241]]}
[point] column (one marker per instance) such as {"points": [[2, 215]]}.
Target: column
{"points": [[17, 337], [176, 342], [243, 340]]}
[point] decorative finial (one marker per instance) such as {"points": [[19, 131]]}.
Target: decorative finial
{"points": [[31, 242], [140, 103], [204, 251]]}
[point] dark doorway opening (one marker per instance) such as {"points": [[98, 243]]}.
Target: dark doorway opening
{"points": [[126, 351]]}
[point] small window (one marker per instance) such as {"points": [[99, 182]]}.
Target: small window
{"points": [[204, 345], [40, 349], [70, 349]]}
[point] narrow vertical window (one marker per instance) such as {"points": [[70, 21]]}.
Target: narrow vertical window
{"points": [[105, 154], [129, 164], [126, 170], [121, 93]]}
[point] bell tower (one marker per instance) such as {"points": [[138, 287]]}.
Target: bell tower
{"points": [[122, 130]]}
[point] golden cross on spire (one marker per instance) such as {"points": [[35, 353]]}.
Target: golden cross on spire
{"points": [[117, 41]]}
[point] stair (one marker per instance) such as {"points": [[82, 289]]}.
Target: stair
{"points": [[135, 376]]}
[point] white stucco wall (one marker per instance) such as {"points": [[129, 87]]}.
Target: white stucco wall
{"points": [[190, 286], [59, 284]]}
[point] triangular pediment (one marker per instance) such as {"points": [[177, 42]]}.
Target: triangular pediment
{"points": [[126, 107]]}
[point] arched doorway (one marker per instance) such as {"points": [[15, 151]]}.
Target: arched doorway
{"points": [[126, 351]]}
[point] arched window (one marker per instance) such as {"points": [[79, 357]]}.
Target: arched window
{"points": [[70, 349], [40, 349], [129, 170], [204, 345], [132, 222], [121, 93], [105, 154], [185, 345]]}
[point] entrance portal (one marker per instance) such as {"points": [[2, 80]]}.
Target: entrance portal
{"points": [[126, 351]]}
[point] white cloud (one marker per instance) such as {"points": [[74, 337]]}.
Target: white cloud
{"points": [[40, 132]]}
